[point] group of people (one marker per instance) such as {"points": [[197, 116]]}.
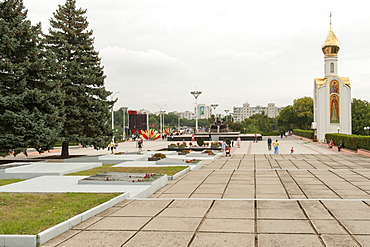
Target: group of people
{"points": [[331, 144], [275, 144]]}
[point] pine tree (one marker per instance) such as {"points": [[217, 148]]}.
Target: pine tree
{"points": [[29, 100], [82, 77]]}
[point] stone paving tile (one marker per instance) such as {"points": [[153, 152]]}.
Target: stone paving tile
{"points": [[339, 240], [232, 209], [173, 224], [279, 213], [357, 226], [207, 195], [120, 223], [364, 240], [348, 209], [203, 239], [284, 240], [142, 208], [87, 223], [284, 226], [315, 210], [328, 227], [157, 239], [189, 209], [61, 238], [227, 225], [98, 238], [173, 195]]}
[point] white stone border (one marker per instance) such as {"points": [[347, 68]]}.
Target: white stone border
{"points": [[180, 173], [156, 185], [43, 237]]}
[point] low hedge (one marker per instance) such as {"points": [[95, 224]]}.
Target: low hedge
{"points": [[353, 142], [304, 133]]}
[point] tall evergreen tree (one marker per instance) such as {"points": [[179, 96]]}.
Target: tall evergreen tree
{"points": [[82, 77], [29, 100]]}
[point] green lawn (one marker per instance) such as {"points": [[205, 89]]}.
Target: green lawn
{"points": [[9, 181], [169, 170], [32, 213]]}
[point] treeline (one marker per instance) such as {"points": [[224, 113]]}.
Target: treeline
{"points": [[52, 85]]}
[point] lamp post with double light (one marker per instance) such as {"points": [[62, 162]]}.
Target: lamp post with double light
{"points": [[196, 95], [111, 98], [160, 117], [124, 110]]}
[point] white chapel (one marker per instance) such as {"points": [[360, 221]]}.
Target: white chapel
{"points": [[332, 94]]}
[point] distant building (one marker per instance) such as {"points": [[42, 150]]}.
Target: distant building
{"points": [[246, 111], [143, 111], [187, 115], [204, 111]]}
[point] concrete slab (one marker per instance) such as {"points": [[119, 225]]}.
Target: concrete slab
{"points": [[142, 208], [123, 157], [328, 227], [357, 226], [284, 226], [339, 240], [227, 225], [98, 238], [283, 240], [232, 209], [156, 239], [222, 239], [120, 224], [46, 168], [173, 224]]}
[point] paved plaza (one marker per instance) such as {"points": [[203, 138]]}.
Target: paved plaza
{"points": [[314, 197]]}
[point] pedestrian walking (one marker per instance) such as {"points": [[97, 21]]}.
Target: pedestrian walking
{"points": [[238, 142], [269, 142], [111, 147], [292, 150], [276, 147], [223, 147], [140, 144]]}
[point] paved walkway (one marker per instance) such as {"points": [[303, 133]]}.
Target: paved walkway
{"points": [[314, 197]]}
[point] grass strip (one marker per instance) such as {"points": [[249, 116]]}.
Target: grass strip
{"points": [[169, 170], [9, 181], [32, 213]]}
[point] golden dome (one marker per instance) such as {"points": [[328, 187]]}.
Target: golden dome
{"points": [[331, 45]]}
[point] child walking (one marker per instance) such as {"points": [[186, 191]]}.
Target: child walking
{"points": [[292, 150]]}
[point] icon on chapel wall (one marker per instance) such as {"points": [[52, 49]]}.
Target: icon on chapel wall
{"points": [[334, 87], [334, 108]]}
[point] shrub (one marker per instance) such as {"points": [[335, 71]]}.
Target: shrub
{"points": [[304, 133], [200, 141], [209, 152], [353, 142], [159, 155]]}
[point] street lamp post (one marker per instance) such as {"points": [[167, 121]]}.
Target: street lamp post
{"points": [[160, 117], [196, 95], [111, 98], [227, 113], [214, 106], [124, 110]]}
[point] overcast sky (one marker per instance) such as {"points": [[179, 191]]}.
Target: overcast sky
{"points": [[158, 51]]}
